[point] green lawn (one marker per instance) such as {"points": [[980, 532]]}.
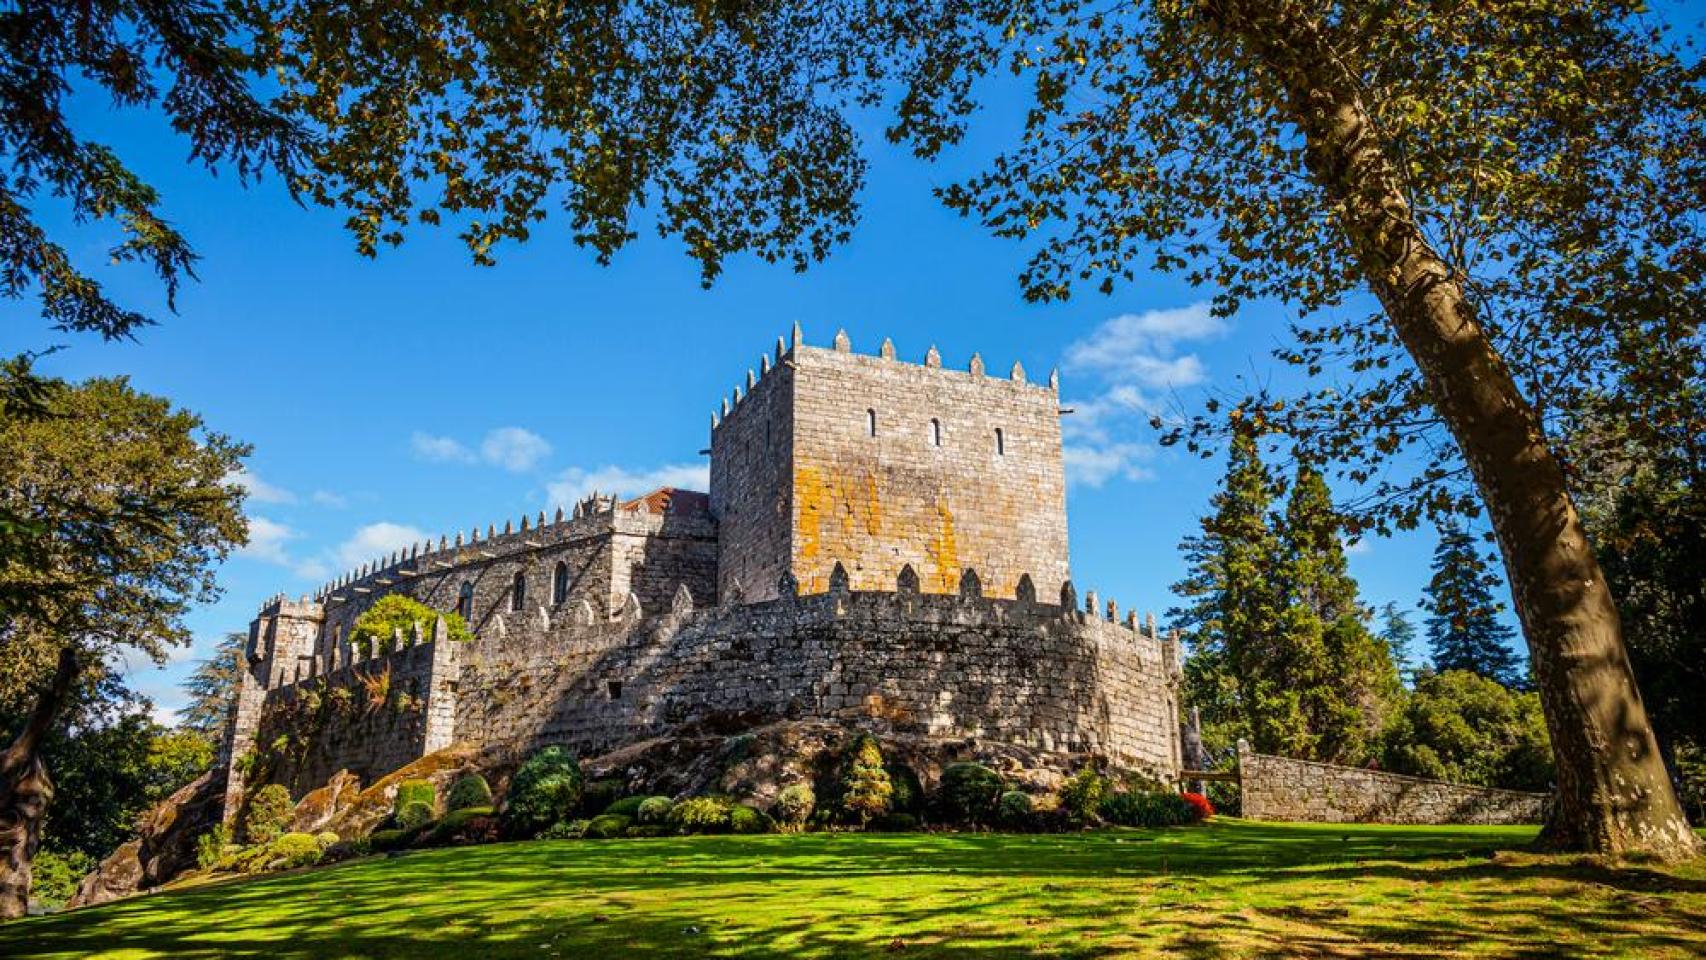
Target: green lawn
{"points": [[1229, 889]]}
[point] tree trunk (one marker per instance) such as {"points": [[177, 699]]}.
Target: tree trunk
{"points": [[25, 791], [1614, 796]]}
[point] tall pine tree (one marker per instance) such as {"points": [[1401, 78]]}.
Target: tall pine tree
{"points": [[1463, 629], [1399, 634], [1344, 675]]}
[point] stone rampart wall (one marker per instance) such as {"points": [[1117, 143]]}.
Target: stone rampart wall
{"points": [[1277, 788]]}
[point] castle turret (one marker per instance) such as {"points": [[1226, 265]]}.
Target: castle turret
{"points": [[835, 456]]}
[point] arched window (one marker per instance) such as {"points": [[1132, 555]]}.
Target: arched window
{"points": [[871, 422], [1000, 442], [560, 583], [465, 601], [518, 592], [935, 432]]}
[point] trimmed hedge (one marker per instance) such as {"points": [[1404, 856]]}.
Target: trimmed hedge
{"points": [[564, 830], [545, 790], [607, 826], [746, 819], [468, 792], [1144, 809], [626, 807], [294, 850], [413, 815], [654, 811], [968, 793], [1013, 810], [700, 815], [464, 826]]}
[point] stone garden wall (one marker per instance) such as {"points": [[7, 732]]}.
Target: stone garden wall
{"points": [[1277, 788]]}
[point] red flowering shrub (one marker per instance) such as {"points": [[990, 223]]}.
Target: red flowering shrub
{"points": [[1201, 809]]}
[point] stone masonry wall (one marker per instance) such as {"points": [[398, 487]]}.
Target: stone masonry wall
{"points": [[1277, 788], [878, 464]]}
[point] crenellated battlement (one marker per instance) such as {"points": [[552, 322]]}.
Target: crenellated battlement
{"points": [[785, 352]]}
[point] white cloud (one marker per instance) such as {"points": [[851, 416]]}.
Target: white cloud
{"points": [[267, 540], [439, 449], [1093, 466], [374, 540], [1132, 360], [327, 498], [1141, 348], [258, 490], [514, 449], [577, 482]]}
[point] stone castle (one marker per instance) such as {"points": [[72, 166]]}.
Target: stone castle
{"points": [[884, 544]]}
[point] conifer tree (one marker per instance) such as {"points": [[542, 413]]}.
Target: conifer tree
{"points": [[867, 791], [1237, 674], [1343, 675], [1463, 629], [1399, 634]]}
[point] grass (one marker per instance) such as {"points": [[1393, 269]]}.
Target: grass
{"points": [[1228, 889]]}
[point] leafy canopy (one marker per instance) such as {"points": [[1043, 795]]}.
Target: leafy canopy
{"points": [[378, 626]]}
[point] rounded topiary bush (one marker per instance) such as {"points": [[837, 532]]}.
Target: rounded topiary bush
{"points": [[626, 807], [700, 815], [564, 830], [653, 810], [607, 826], [545, 790], [413, 815], [470, 790], [269, 813], [1013, 810], [794, 805], [968, 793], [746, 819], [414, 793]]}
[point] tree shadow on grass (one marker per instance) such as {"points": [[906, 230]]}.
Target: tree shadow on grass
{"points": [[1233, 890]]}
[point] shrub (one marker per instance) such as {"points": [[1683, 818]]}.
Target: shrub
{"points": [[1141, 809], [55, 876], [1013, 810], [794, 805], [700, 815], [1050, 820], [893, 823], [908, 796], [600, 794], [382, 840], [415, 791], [376, 627], [653, 811], [607, 826], [648, 830], [866, 790], [545, 790], [413, 815], [626, 807], [968, 793], [294, 850], [347, 850], [564, 830], [269, 813], [1082, 793], [469, 791], [746, 819], [210, 846], [1201, 809], [464, 826]]}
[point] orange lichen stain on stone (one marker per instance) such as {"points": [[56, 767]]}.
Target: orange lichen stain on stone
{"points": [[812, 499], [944, 554]]}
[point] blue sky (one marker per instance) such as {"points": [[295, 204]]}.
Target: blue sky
{"points": [[418, 394]]}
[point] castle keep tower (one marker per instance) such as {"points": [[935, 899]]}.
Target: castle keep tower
{"points": [[831, 456]]}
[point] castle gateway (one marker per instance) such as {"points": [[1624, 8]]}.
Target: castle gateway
{"points": [[883, 545]]}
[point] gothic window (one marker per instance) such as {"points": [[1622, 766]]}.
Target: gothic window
{"points": [[871, 422], [518, 592], [465, 601], [560, 583], [936, 432], [1000, 442]]}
